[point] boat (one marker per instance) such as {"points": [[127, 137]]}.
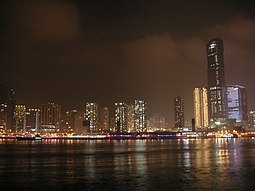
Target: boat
{"points": [[32, 138]]}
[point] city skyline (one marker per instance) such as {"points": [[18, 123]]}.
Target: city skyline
{"points": [[72, 52]]}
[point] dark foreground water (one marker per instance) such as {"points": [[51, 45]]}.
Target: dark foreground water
{"points": [[208, 164]]}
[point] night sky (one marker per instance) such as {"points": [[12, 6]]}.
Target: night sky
{"points": [[74, 51]]}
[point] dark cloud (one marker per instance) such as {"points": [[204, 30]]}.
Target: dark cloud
{"points": [[45, 20]]}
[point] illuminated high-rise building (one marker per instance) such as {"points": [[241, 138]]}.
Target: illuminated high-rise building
{"points": [[200, 98], [91, 117], [162, 122], [120, 117], [140, 116], [33, 120], [154, 123], [216, 82], [237, 104], [130, 118], [112, 124], [251, 120], [7, 108], [20, 118], [50, 117], [105, 120], [73, 120], [178, 112]]}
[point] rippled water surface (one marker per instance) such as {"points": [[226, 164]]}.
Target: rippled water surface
{"points": [[206, 164]]}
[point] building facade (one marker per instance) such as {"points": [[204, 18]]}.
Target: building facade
{"points": [[216, 83], [178, 112], [33, 120], [7, 109], [120, 117], [140, 120], [50, 117], [73, 120], [91, 117], [104, 120], [20, 118], [251, 118], [200, 98], [130, 118], [237, 111]]}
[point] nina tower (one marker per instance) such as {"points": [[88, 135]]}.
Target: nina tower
{"points": [[216, 82]]}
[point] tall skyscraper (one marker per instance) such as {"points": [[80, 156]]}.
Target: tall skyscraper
{"points": [[33, 120], [140, 116], [130, 118], [120, 117], [91, 117], [178, 112], [104, 119], [216, 82], [237, 105], [156, 123], [7, 108], [200, 97], [162, 122], [73, 122], [252, 120], [20, 118], [112, 124], [50, 117]]}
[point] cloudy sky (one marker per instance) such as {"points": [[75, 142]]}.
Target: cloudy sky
{"points": [[74, 51]]}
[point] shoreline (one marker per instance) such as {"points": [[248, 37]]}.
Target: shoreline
{"points": [[123, 137]]}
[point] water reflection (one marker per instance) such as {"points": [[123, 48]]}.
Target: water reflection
{"points": [[199, 164]]}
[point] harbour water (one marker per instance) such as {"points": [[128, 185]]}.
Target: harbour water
{"points": [[179, 164]]}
